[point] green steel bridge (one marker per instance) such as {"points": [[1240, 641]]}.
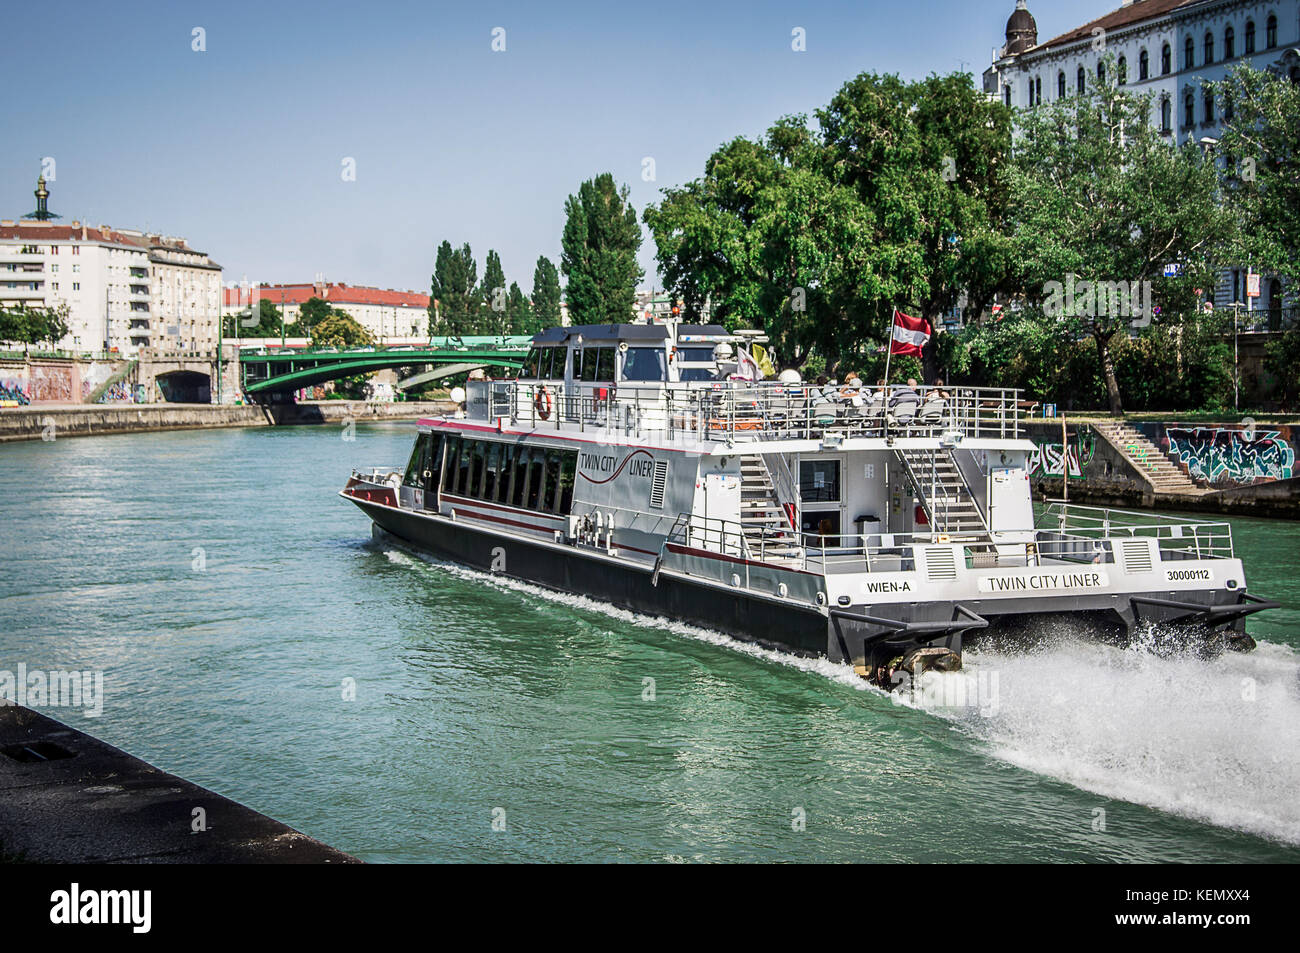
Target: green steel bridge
{"points": [[265, 370]]}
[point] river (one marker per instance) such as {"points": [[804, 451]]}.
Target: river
{"points": [[255, 640]]}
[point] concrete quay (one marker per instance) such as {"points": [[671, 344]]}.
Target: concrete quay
{"points": [[66, 797]]}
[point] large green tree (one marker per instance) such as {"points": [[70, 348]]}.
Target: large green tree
{"points": [[492, 297], [340, 329], [599, 248], [519, 311], [24, 324], [897, 198], [454, 293], [546, 296], [265, 322], [1102, 203], [1260, 147]]}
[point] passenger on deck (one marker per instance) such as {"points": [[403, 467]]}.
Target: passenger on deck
{"points": [[905, 393]]}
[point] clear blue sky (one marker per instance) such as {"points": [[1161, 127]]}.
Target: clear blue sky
{"points": [[240, 148]]}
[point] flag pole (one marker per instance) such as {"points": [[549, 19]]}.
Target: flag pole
{"points": [[889, 341]]}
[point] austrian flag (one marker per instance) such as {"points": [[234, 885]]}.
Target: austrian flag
{"points": [[910, 334]]}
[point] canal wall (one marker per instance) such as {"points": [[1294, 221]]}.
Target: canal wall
{"points": [[1239, 468], [67, 797], [52, 422]]}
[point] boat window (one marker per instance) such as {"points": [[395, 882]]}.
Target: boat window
{"points": [[419, 461], [696, 373], [452, 452], [819, 481], [475, 468], [551, 498], [463, 467], [644, 364], [568, 468], [695, 355], [605, 365], [509, 471], [518, 497], [491, 469], [529, 370], [588, 364], [536, 473], [553, 364]]}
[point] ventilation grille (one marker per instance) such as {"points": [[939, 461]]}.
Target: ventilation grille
{"points": [[940, 563], [1135, 555], [658, 484]]}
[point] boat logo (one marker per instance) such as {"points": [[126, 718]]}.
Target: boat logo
{"points": [[638, 463]]}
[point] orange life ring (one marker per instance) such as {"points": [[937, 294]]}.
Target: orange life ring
{"points": [[542, 403]]}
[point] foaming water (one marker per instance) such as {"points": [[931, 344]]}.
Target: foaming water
{"points": [[1211, 740]]}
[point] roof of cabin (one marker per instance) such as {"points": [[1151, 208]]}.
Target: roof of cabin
{"points": [[603, 332]]}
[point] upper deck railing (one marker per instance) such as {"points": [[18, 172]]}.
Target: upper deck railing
{"points": [[730, 411]]}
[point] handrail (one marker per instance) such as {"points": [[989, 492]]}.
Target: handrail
{"points": [[735, 411]]}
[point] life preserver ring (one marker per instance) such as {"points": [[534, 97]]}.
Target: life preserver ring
{"points": [[542, 403]]}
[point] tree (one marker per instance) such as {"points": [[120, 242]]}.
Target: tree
{"points": [[599, 248], [340, 329], [896, 199], [1261, 150], [453, 293], [492, 297], [313, 311], [28, 325], [1101, 204], [519, 312], [546, 296], [269, 320]]}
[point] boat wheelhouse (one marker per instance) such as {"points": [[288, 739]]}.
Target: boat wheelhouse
{"points": [[649, 466]]}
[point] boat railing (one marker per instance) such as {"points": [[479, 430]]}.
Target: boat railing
{"points": [[376, 474], [735, 411], [1087, 533]]}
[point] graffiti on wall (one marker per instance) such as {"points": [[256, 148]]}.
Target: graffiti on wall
{"points": [[1048, 460], [1225, 455], [14, 393]]}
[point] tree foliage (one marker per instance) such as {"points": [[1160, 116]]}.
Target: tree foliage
{"points": [[341, 330], [454, 302], [1100, 197], [599, 248], [546, 296], [24, 324]]}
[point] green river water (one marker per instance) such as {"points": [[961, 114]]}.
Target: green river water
{"points": [[227, 594]]}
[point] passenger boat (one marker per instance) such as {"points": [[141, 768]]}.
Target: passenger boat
{"points": [[644, 466]]}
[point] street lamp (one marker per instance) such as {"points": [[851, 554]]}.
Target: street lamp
{"points": [[1236, 306]]}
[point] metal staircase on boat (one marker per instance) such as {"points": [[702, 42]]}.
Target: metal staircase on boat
{"points": [[948, 501], [764, 521]]}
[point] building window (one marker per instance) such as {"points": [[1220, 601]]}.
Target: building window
{"points": [[1123, 70], [1209, 49], [1144, 65], [1165, 58], [1166, 115], [1189, 54], [76, 286], [1038, 90], [1101, 72], [1189, 109], [1250, 37], [1060, 85], [1229, 43], [1208, 98], [1079, 81], [1031, 92], [1270, 32]]}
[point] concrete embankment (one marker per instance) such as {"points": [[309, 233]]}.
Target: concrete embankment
{"points": [[66, 797], [82, 420], [1243, 468]]}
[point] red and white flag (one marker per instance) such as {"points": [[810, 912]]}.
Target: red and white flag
{"points": [[909, 334]]}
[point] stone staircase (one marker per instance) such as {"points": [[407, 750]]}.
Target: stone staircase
{"points": [[943, 492], [763, 520], [1163, 474]]}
